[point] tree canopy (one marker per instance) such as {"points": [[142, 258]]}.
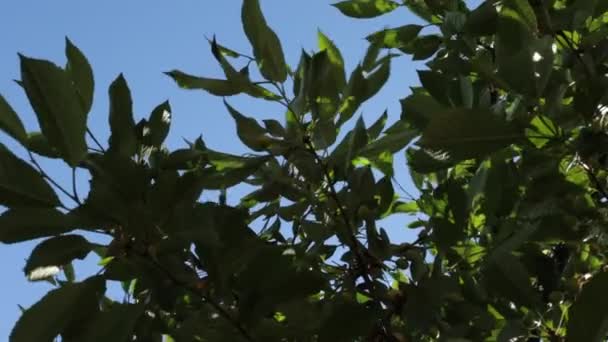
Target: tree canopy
{"points": [[504, 140]]}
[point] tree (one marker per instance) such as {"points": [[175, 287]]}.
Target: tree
{"points": [[504, 140]]}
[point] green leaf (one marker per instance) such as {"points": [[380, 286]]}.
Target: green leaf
{"points": [[392, 141], [115, 324], [365, 8], [213, 86], [158, 124], [37, 143], [466, 133], [21, 184], [589, 313], [421, 9], [57, 105], [482, 21], [57, 310], [325, 86], [508, 278], [418, 109], [423, 47], [10, 122], [227, 177], [81, 73], [249, 131], [123, 139], [542, 130], [266, 45], [21, 224], [396, 37], [57, 251], [361, 88], [240, 79], [335, 58]]}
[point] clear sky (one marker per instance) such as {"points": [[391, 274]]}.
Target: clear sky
{"points": [[144, 38]]}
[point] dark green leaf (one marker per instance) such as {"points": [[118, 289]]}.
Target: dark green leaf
{"points": [[482, 21], [57, 105], [266, 45], [158, 124], [59, 308], [335, 58], [365, 8], [20, 184], [589, 313], [123, 139], [213, 86], [81, 73], [21, 224], [464, 133], [115, 324], [396, 37], [57, 251], [418, 109], [249, 131], [10, 122], [37, 143]]}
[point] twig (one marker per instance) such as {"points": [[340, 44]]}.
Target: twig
{"points": [[46, 176], [95, 140], [221, 311], [74, 191], [411, 197], [598, 185]]}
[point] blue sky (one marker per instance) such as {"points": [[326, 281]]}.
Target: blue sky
{"points": [[144, 38]]}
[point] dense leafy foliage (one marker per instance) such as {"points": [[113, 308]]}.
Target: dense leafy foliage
{"points": [[505, 141]]}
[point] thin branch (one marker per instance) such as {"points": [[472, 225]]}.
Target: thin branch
{"points": [[48, 178], [95, 140], [598, 185], [411, 198], [74, 190], [221, 311]]}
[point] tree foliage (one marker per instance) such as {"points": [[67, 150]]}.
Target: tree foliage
{"points": [[505, 140]]}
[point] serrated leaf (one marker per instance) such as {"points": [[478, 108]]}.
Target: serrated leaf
{"points": [[59, 308], [466, 133], [81, 73], [589, 313], [57, 105], [123, 138], [365, 8], [57, 251], [21, 224], [266, 45], [10, 122], [22, 185]]}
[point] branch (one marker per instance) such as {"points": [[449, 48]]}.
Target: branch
{"points": [[95, 140], [48, 178], [221, 311]]}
